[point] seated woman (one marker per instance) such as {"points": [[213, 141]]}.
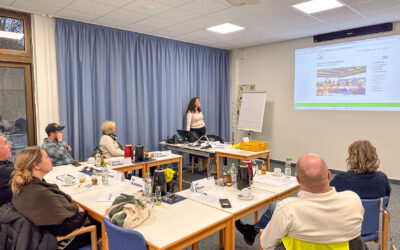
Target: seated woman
{"points": [[363, 176], [109, 144], [44, 204]]}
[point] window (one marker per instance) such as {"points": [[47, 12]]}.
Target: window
{"points": [[16, 91]]}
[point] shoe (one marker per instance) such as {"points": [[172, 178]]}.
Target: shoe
{"points": [[248, 231]]}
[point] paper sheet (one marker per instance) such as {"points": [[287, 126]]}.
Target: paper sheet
{"points": [[211, 199], [277, 182], [109, 196]]}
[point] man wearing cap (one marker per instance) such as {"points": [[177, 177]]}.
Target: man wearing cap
{"points": [[55, 147], [6, 169]]}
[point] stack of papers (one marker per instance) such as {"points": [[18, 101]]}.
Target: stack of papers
{"points": [[277, 182]]}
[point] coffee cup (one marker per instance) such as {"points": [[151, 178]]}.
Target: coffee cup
{"points": [[68, 180], [277, 171], [246, 192]]}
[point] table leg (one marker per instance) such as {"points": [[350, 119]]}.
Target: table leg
{"points": [[221, 238], [195, 246], [180, 173], [144, 171], [217, 159], [230, 234], [255, 217], [268, 163]]}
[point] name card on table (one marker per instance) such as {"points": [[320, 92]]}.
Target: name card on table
{"points": [[202, 185], [116, 175], [116, 161], [137, 181]]}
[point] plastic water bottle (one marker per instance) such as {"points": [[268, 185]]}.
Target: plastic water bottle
{"points": [[147, 186], [233, 173], [97, 158], [288, 167], [104, 174]]}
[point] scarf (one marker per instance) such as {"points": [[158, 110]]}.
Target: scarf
{"points": [[114, 137]]}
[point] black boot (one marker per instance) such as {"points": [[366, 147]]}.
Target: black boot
{"points": [[248, 231]]}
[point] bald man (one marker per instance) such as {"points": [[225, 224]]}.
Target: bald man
{"points": [[318, 214]]}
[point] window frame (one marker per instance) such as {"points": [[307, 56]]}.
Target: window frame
{"points": [[23, 56]]}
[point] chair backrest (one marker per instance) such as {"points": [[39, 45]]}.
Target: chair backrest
{"points": [[290, 243], [121, 239], [370, 225]]}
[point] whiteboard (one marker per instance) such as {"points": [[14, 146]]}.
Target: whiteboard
{"points": [[251, 114]]}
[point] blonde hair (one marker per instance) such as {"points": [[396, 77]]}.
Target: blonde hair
{"points": [[23, 164], [107, 127], [362, 157]]}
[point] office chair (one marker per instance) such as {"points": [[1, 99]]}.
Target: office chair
{"points": [[123, 239], [371, 223]]}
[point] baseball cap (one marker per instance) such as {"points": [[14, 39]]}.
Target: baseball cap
{"points": [[53, 127]]}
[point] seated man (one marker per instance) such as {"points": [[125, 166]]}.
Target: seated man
{"points": [[55, 147], [319, 214], [6, 169]]}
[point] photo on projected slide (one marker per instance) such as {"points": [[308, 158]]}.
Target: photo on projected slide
{"points": [[343, 81]]}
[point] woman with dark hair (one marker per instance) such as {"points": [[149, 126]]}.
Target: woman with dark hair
{"points": [[363, 176], [44, 204], [194, 118]]}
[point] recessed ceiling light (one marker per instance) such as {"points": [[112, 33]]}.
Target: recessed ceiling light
{"points": [[314, 6], [11, 35], [225, 28]]}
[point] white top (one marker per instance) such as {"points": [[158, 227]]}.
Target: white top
{"points": [[194, 120], [320, 218], [109, 147]]}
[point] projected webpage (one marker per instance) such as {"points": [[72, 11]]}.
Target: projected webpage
{"points": [[360, 75]]}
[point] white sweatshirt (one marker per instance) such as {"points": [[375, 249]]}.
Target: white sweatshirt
{"points": [[319, 218], [194, 120]]}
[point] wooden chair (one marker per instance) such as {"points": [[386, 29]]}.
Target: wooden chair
{"points": [[89, 229]]}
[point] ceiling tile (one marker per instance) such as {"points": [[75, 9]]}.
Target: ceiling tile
{"points": [[203, 22], [182, 28], [203, 7], [57, 3], [156, 22], [115, 3], [229, 14], [89, 6], [372, 6], [35, 8], [76, 15], [334, 15], [387, 15], [178, 15], [127, 16], [174, 3], [111, 22], [5, 3], [147, 7]]}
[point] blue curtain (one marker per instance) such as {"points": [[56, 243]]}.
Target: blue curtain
{"points": [[143, 83]]}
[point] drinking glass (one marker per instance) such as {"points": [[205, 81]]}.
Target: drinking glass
{"points": [[158, 195], [82, 178]]}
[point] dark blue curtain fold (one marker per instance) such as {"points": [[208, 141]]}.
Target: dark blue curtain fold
{"points": [[143, 83]]}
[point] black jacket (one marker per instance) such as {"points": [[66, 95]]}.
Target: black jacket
{"points": [[6, 169], [18, 233]]}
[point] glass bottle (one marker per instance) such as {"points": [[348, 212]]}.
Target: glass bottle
{"points": [[147, 186], [288, 167], [104, 174], [158, 195], [97, 158], [233, 173], [263, 169]]}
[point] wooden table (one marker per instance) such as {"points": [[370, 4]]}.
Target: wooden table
{"points": [[240, 155], [134, 166], [172, 158], [263, 196], [170, 226]]}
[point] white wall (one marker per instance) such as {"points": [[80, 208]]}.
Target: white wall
{"points": [[292, 133]]}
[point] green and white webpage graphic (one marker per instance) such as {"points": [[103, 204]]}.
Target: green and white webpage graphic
{"points": [[358, 75]]}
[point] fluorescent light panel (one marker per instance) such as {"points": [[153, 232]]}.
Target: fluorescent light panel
{"points": [[11, 35], [225, 28], [314, 6]]}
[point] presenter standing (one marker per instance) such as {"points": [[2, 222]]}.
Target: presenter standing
{"points": [[194, 118]]}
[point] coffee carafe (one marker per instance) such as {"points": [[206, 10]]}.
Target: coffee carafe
{"points": [[159, 180], [243, 177], [139, 153]]}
